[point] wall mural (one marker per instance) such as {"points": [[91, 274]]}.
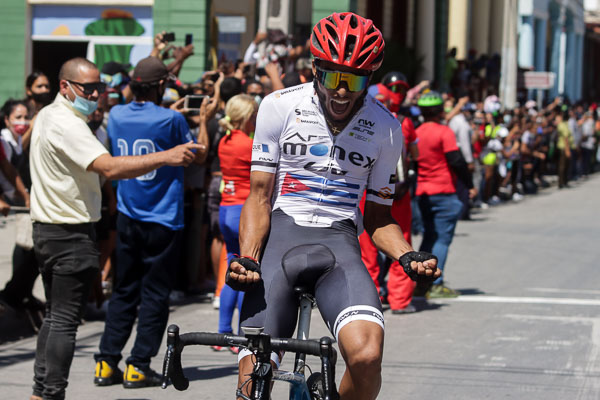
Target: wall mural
{"points": [[129, 23]]}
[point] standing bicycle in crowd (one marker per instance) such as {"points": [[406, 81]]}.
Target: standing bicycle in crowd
{"points": [[317, 147], [66, 159]]}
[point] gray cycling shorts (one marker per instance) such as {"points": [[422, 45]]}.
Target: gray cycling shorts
{"points": [[344, 292]]}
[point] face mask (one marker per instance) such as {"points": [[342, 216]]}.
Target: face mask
{"points": [[20, 127], [84, 106], [42, 98], [94, 125], [507, 119], [258, 99], [447, 110]]}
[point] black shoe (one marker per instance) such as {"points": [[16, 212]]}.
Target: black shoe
{"points": [[107, 375], [135, 378]]}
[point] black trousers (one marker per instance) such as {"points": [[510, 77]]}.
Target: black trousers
{"points": [[69, 261], [147, 256]]}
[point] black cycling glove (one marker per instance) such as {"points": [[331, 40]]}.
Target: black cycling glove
{"points": [[250, 265], [418, 256]]}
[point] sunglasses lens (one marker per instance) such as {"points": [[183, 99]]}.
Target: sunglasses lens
{"points": [[91, 87], [332, 79], [356, 83]]}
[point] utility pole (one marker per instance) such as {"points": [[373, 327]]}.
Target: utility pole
{"points": [[508, 70], [562, 50]]}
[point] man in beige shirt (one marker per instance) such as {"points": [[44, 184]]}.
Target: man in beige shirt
{"points": [[66, 161]]}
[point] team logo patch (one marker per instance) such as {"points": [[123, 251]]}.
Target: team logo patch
{"points": [[261, 147]]}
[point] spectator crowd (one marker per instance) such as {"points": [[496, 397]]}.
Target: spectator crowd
{"points": [[499, 156]]}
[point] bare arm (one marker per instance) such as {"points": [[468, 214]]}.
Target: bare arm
{"points": [[273, 72], [387, 237], [127, 167], [255, 223], [383, 229]]}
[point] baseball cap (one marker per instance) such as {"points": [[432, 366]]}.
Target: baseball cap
{"points": [[150, 69], [113, 67]]}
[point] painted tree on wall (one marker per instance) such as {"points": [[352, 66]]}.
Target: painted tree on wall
{"points": [[114, 22]]}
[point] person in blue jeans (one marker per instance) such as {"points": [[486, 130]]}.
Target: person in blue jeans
{"points": [[235, 156], [440, 165]]}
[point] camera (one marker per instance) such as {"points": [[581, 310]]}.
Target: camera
{"points": [[189, 38], [193, 101], [169, 37]]}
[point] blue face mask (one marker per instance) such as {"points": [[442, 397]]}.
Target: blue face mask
{"points": [[84, 106]]}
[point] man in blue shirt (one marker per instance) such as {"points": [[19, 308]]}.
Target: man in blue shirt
{"points": [[149, 230]]}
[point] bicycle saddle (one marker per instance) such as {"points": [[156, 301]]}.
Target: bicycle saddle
{"points": [[304, 264]]}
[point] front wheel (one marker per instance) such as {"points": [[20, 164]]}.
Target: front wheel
{"points": [[315, 386]]}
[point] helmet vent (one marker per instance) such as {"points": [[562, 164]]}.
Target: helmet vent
{"points": [[315, 42], [333, 34], [370, 41], [353, 22], [350, 45], [334, 53]]}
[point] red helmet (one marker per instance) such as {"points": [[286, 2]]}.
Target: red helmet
{"points": [[348, 39]]}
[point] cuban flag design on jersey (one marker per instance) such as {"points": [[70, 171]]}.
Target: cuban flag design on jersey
{"points": [[327, 191]]}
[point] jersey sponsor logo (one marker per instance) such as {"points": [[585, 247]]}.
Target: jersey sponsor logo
{"points": [[354, 157], [366, 122], [284, 92], [359, 137], [362, 129], [324, 168], [306, 121], [261, 147], [292, 147], [305, 113], [319, 150], [266, 159]]}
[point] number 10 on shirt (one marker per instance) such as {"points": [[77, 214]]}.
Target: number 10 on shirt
{"points": [[140, 147]]}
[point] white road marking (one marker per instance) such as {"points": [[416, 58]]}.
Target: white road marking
{"points": [[520, 300], [557, 290]]}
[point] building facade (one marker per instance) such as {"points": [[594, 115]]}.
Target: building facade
{"points": [[549, 35]]}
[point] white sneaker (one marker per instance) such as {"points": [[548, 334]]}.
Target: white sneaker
{"points": [[517, 196], [484, 206], [495, 200], [216, 303]]}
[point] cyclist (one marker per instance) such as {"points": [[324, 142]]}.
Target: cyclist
{"points": [[316, 148]]}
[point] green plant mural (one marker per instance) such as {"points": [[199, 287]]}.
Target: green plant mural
{"points": [[114, 23]]}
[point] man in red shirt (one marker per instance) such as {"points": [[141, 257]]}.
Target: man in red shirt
{"points": [[440, 164], [391, 93]]}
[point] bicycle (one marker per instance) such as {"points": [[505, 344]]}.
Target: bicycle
{"points": [[318, 386]]}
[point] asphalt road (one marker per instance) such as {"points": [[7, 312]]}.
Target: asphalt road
{"points": [[526, 327]]}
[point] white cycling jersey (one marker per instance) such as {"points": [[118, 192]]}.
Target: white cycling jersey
{"points": [[320, 178]]}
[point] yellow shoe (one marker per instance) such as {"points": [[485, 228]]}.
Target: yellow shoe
{"points": [[134, 378], [107, 375]]}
